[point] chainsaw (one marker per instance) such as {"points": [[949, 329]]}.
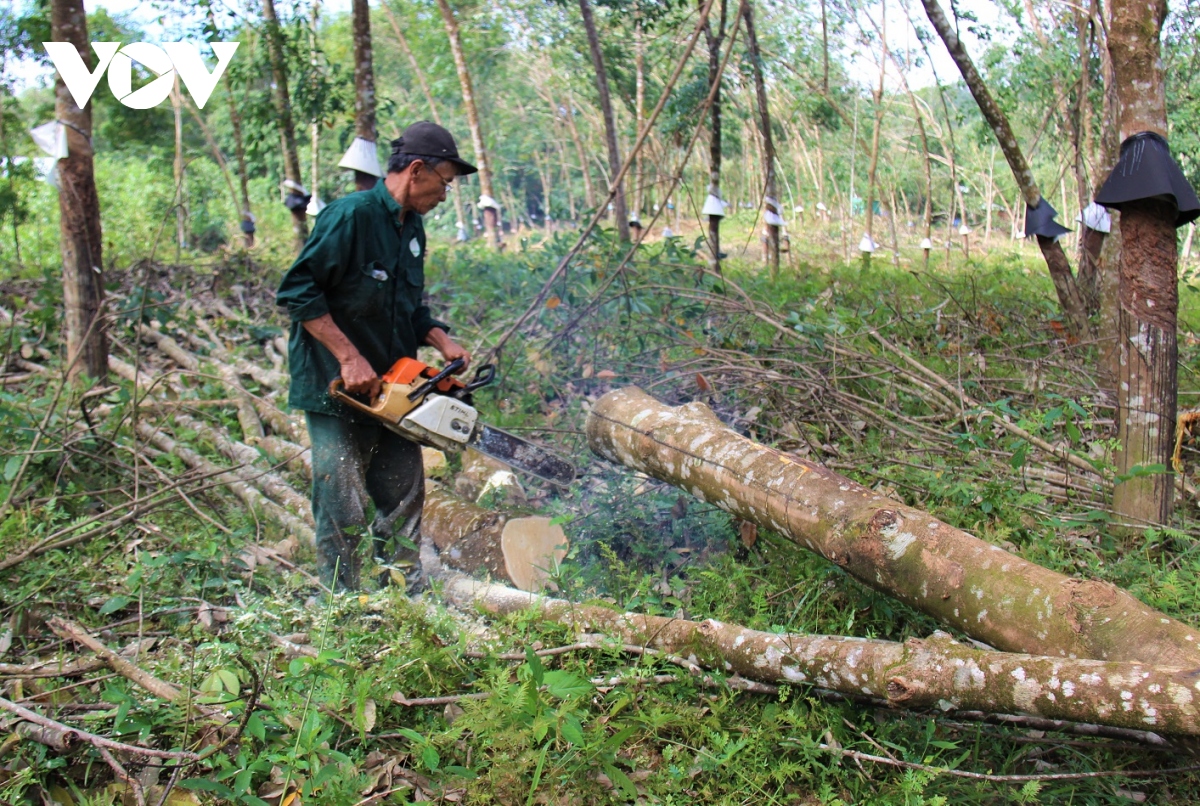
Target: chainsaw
{"points": [[431, 407]]}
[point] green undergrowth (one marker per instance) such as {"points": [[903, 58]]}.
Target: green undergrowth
{"points": [[332, 724]]}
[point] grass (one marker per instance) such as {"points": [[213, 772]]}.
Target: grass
{"points": [[326, 722]]}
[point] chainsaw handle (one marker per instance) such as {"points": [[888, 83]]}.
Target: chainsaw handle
{"points": [[429, 385], [337, 391], [483, 376]]}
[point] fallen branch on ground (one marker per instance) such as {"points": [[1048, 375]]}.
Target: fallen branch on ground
{"points": [[1004, 779], [93, 739]]}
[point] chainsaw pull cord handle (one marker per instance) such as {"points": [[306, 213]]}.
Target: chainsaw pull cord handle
{"points": [[429, 385], [483, 376]]}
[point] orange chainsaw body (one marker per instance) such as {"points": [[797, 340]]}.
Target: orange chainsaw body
{"points": [[393, 403]]}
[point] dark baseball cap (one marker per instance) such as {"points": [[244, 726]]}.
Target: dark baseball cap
{"points": [[425, 139]]}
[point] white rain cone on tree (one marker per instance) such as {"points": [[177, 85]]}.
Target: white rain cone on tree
{"points": [[990, 594]]}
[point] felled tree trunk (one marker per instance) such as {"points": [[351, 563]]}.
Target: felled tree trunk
{"points": [[991, 595], [919, 673], [518, 550]]}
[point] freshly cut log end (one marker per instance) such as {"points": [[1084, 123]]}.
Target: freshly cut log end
{"points": [[997, 597], [532, 547], [517, 550], [434, 462]]}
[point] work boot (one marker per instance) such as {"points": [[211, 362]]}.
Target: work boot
{"points": [[408, 575]]}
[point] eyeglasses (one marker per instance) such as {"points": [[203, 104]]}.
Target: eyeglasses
{"points": [[449, 183]]}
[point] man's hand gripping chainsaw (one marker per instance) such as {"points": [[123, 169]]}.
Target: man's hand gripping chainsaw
{"points": [[433, 408]]}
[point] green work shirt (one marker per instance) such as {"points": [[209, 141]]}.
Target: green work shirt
{"points": [[367, 270]]}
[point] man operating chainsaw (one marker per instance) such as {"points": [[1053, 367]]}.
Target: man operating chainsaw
{"points": [[354, 296]]}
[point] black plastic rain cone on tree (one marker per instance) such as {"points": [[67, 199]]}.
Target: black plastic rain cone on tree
{"points": [[1146, 170]]}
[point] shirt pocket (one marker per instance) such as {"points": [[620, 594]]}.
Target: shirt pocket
{"points": [[368, 293], [414, 272]]}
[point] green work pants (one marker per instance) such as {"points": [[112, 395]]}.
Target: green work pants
{"points": [[354, 463]]}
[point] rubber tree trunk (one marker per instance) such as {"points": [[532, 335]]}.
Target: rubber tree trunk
{"points": [[180, 193], [714, 42], [314, 172], [639, 103], [589, 193], [491, 222], [1109, 268], [218, 157], [79, 211], [919, 119], [1090, 241], [456, 190], [873, 166], [1148, 287], [617, 193], [235, 120], [1070, 297], [996, 597], [283, 108], [919, 673], [364, 85], [768, 143]]}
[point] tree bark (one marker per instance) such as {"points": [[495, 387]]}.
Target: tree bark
{"points": [[491, 222], [180, 195], [218, 157], [771, 191], [589, 194], [919, 673], [873, 167], [364, 86], [1070, 298], [79, 211], [610, 127], [1109, 261], [714, 42], [994, 596], [1148, 287], [235, 120], [639, 62], [283, 108]]}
